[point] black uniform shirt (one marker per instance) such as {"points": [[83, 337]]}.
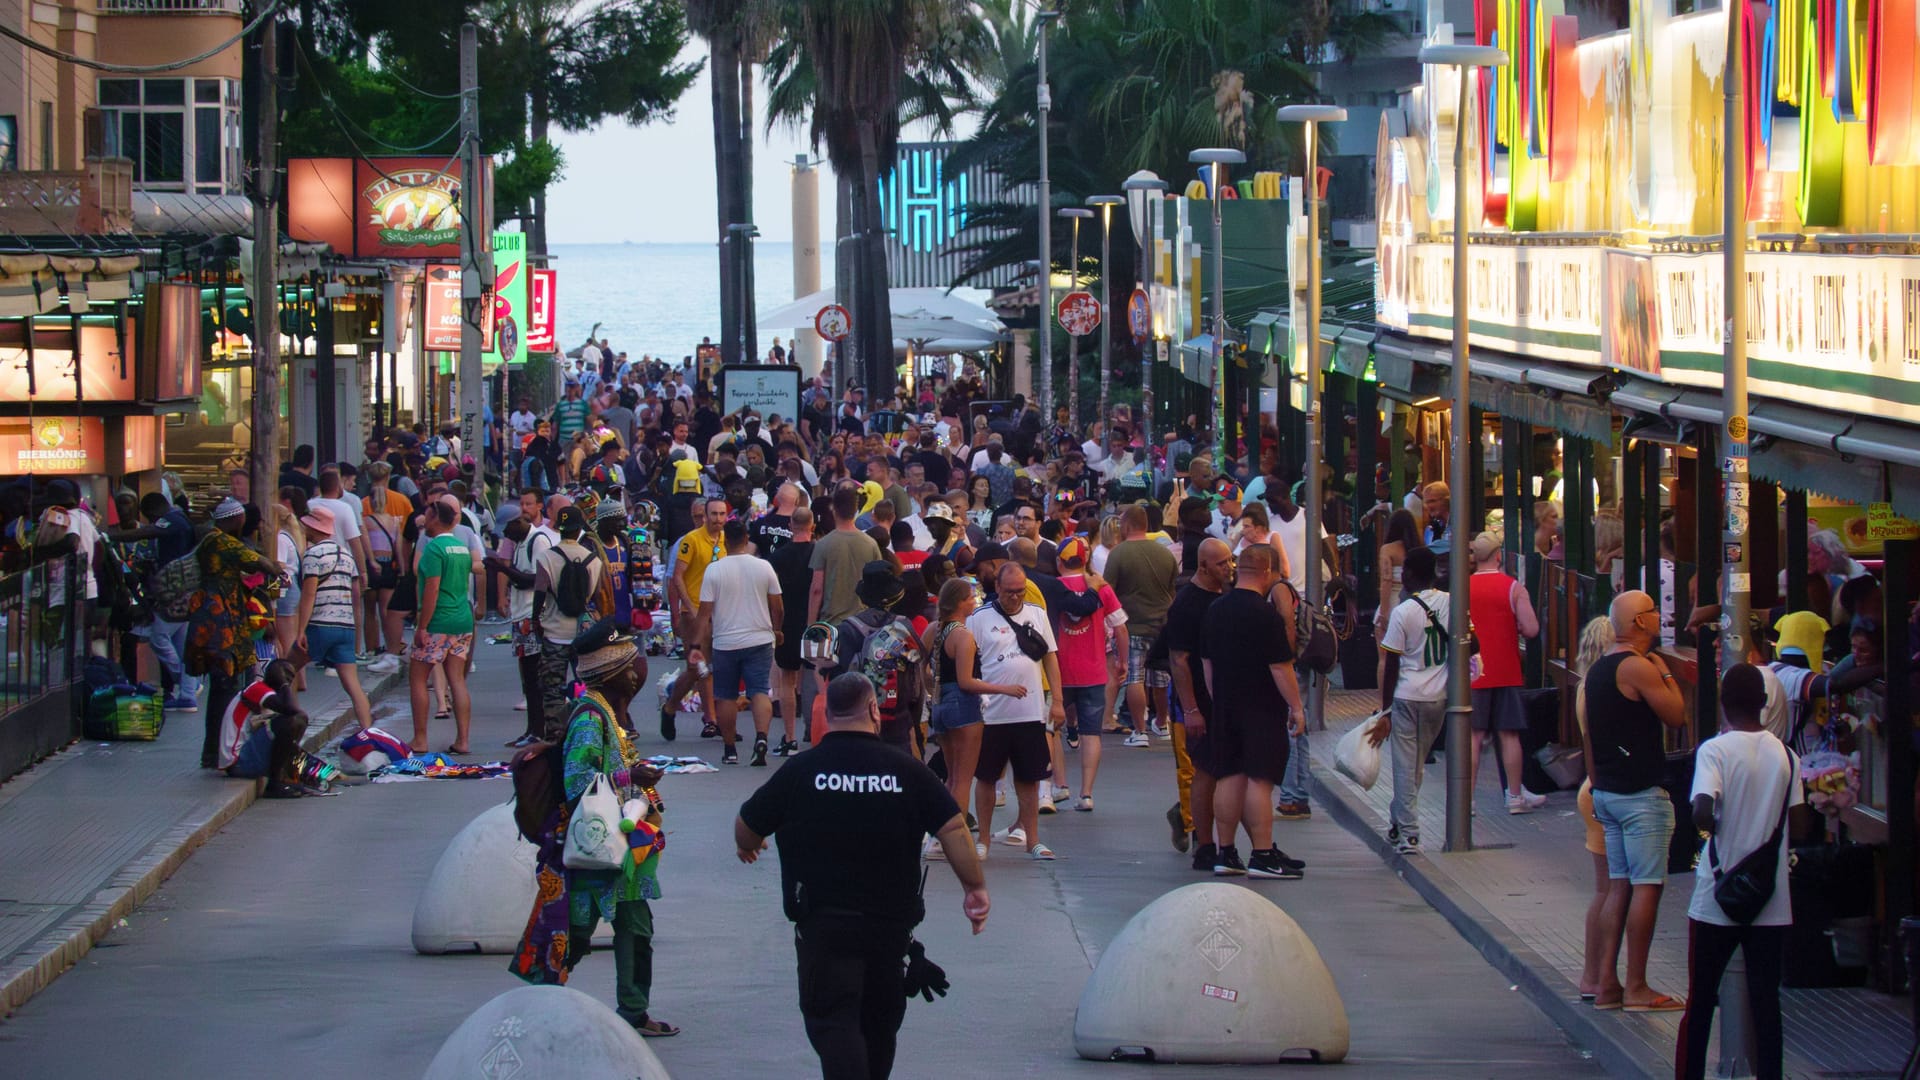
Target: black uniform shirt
{"points": [[848, 817]]}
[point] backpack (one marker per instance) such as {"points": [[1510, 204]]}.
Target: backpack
{"points": [[539, 787], [1315, 645], [175, 586], [574, 591], [889, 656]]}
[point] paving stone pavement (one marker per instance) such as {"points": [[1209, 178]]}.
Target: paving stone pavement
{"points": [[1521, 897], [91, 832]]}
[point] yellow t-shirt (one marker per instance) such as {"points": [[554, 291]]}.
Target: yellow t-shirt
{"points": [[698, 551], [686, 477]]}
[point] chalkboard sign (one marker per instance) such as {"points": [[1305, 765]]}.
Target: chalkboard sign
{"points": [[768, 389]]}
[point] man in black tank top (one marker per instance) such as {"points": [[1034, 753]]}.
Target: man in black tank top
{"points": [[1631, 695]]}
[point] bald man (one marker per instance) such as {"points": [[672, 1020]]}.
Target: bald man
{"points": [[1631, 696]]}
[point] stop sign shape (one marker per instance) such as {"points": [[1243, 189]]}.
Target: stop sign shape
{"points": [[1079, 313]]}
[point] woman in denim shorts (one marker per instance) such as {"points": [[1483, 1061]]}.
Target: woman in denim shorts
{"points": [[955, 658]]}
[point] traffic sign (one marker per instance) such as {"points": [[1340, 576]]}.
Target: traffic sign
{"points": [[1079, 313], [833, 322], [1139, 316]]}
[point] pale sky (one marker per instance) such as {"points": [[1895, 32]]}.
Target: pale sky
{"points": [[655, 183]]}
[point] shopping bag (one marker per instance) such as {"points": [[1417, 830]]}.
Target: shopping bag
{"points": [[1358, 759], [594, 840]]}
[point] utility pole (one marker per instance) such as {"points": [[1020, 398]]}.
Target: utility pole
{"points": [[476, 262], [1737, 1040], [1044, 393], [264, 461]]}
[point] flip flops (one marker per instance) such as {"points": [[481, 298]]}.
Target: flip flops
{"points": [[1659, 1003]]}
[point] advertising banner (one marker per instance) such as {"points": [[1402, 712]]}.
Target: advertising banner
{"points": [[443, 309], [509, 299], [384, 207], [541, 333], [769, 391]]}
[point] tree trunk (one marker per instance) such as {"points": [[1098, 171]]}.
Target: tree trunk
{"points": [[724, 75], [844, 276], [877, 323], [750, 310], [537, 228]]}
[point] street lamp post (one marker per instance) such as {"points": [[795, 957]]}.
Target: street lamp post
{"points": [[1075, 215], [1215, 159], [1044, 392], [1106, 203], [1143, 200], [742, 236], [1459, 472], [1310, 117]]}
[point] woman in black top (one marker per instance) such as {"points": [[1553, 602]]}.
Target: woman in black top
{"points": [[955, 660]]}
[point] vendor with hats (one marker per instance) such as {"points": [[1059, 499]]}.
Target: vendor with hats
{"points": [[571, 903], [897, 677], [327, 596], [219, 644]]}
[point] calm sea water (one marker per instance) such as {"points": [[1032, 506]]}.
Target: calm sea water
{"points": [[662, 298]]}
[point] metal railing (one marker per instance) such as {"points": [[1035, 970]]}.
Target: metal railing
{"points": [[40, 623], [170, 7]]}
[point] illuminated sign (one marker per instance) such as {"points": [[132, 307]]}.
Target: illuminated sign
{"points": [[105, 374], [54, 445], [542, 290], [509, 299], [927, 210], [386, 207], [170, 347], [443, 312]]}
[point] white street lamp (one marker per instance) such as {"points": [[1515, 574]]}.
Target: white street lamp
{"points": [[1459, 472], [1144, 190], [1214, 159], [1075, 215], [1105, 203], [1310, 117]]}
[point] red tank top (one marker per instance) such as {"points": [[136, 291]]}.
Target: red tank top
{"points": [[1499, 633]]}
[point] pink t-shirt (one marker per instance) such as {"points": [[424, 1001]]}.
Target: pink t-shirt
{"points": [[1083, 642]]}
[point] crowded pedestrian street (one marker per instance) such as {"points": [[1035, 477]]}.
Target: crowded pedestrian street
{"points": [[950, 538]]}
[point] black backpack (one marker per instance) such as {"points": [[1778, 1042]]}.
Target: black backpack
{"points": [[1316, 646], [538, 772], [574, 590]]}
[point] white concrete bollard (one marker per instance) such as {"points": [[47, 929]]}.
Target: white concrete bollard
{"points": [[549, 1032], [1211, 973], [480, 892]]}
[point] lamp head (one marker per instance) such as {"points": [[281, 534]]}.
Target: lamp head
{"points": [[1312, 114], [1463, 55]]}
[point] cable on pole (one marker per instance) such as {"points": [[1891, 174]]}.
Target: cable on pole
{"points": [[266, 13]]}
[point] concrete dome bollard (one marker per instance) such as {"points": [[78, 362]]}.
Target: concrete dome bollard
{"points": [[549, 1032], [480, 892], [1211, 973]]}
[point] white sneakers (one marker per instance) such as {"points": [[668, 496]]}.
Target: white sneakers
{"points": [[1137, 739], [1159, 729], [387, 662], [1525, 803], [932, 851]]}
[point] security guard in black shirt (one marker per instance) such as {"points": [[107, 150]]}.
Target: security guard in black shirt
{"points": [[849, 816]]}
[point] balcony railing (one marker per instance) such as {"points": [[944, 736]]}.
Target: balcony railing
{"points": [[170, 7], [92, 201]]}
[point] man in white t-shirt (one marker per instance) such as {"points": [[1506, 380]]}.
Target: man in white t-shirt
{"points": [[739, 623], [1292, 531], [85, 535], [1744, 786], [1016, 728], [1413, 691], [349, 534]]}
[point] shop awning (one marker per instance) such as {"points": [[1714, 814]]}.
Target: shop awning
{"points": [[1671, 402], [1880, 440], [1193, 359], [1267, 334]]}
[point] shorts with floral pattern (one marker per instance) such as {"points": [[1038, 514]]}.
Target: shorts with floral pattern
{"points": [[441, 647]]}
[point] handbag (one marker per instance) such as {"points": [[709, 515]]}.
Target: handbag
{"points": [[1032, 645], [594, 840], [1743, 891]]}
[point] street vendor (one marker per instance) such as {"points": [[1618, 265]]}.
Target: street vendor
{"points": [[570, 903]]}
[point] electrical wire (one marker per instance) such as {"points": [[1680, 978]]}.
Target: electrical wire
{"points": [[266, 13], [395, 76], [347, 127], [340, 114]]}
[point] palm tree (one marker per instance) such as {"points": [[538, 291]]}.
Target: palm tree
{"points": [[721, 23]]}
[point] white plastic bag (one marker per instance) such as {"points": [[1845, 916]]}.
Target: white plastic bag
{"points": [[594, 839], [1355, 756]]}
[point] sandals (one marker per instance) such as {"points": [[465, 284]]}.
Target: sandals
{"points": [[1659, 1003], [457, 752], [1040, 853], [650, 1028]]}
